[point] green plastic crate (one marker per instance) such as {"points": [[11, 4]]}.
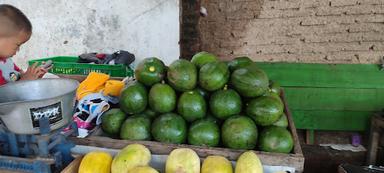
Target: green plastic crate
{"points": [[68, 65]]}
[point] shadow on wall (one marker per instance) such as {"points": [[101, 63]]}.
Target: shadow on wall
{"points": [[226, 25], [295, 31]]}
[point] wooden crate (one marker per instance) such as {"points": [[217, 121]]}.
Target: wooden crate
{"points": [[81, 78], [377, 127], [294, 159], [73, 167]]}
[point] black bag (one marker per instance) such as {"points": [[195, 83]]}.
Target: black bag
{"points": [[119, 57]]}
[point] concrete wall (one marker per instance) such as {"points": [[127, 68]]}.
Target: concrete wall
{"points": [[71, 27], [321, 31]]}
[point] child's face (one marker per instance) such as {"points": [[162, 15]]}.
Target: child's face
{"points": [[9, 45]]}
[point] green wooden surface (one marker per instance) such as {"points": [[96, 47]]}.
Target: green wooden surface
{"points": [[326, 75], [330, 97], [334, 99], [332, 120], [311, 137]]}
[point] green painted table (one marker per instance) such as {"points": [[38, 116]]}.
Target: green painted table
{"points": [[328, 96]]}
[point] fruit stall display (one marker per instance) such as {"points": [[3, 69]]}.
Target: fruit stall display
{"points": [[210, 106], [136, 158]]}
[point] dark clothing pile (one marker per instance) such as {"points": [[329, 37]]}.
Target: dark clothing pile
{"points": [[119, 57]]}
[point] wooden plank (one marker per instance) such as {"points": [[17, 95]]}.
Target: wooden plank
{"points": [[8, 171], [377, 125], [333, 108], [274, 159], [80, 78], [310, 137], [340, 169], [372, 147], [337, 99], [73, 167], [291, 125], [325, 75], [332, 120]]}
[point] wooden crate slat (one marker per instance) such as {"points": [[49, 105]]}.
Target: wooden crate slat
{"points": [[332, 120], [291, 125], [294, 160], [325, 75], [73, 167], [334, 99]]}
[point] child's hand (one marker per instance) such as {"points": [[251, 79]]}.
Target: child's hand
{"points": [[33, 73]]}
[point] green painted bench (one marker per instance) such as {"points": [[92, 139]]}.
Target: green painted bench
{"points": [[339, 97]]}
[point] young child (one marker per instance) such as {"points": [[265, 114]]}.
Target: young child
{"points": [[15, 30]]}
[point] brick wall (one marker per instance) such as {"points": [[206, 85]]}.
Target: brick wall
{"points": [[189, 28], [321, 31]]}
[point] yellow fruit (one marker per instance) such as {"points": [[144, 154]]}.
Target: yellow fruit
{"points": [[96, 162], [143, 169], [216, 164], [248, 162], [183, 160], [131, 156]]}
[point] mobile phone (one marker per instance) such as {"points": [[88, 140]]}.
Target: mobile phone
{"points": [[47, 64]]}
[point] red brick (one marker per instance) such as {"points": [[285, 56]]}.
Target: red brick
{"points": [[365, 9], [285, 57], [291, 13], [376, 46], [238, 33], [335, 47], [316, 30], [375, 2], [257, 41], [309, 21], [368, 27], [270, 5], [314, 3], [230, 44], [378, 18], [327, 11], [242, 6], [241, 15], [243, 0], [363, 56], [340, 3], [372, 37]]}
